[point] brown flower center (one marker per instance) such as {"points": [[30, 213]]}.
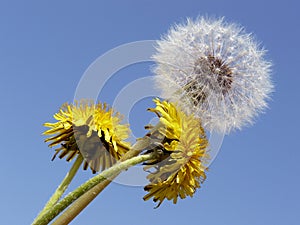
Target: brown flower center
{"points": [[215, 75], [212, 66]]}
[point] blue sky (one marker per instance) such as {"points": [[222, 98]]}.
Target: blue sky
{"points": [[45, 48]]}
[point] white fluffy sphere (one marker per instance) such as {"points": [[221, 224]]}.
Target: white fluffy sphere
{"points": [[218, 67]]}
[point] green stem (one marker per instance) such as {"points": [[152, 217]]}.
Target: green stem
{"points": [[71, 197], [71, 212], [62, 187]]}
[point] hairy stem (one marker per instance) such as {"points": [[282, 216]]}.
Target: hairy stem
{"points": [[62, 187], [90, 195], [74, 195]]}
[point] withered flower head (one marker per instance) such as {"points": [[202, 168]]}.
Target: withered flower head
{"points": [[92, 130], [183, 142]]}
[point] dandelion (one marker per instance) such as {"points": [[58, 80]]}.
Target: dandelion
{"points": [[219, 68], [181, 169], [92, 130]]}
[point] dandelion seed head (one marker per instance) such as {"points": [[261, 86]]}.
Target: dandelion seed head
{"points": [[218, 67]]}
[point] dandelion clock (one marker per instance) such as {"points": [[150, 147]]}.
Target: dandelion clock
{"points": [[215, 70]]}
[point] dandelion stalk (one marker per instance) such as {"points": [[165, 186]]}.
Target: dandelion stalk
{"points": [[62, 187], [106, 174], [76, 208]]}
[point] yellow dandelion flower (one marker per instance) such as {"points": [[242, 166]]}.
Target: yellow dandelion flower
{"points": [[184, 144], [92, 130]]}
